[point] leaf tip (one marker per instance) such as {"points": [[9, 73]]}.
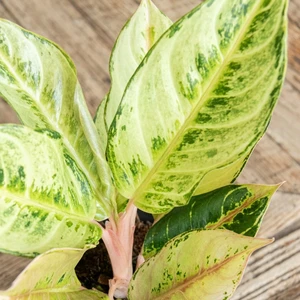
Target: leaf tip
{"points": [[260, 242]]}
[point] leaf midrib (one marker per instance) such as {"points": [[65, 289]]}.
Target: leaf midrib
{"points": [[196, 109], [25, 201], [66, 141], [248, 203], [148, 21], [206, 272]]}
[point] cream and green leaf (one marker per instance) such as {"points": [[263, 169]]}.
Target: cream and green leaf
{"points": [[218, 261], [51, 276], [136, 38], [187, 105], [239, 208], [38, 79], [46, 201], [101, 125], [199, 102]]}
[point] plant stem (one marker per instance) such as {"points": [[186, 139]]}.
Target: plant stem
{"points": [[118, 238]]}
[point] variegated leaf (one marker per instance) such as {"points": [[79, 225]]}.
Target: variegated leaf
{"points": [[51, 276], [199, 102], [224, 173], [101, 125], [38, 79], [206, 265], [121, 201], [239, 208], [137, 37], [46, 200]]}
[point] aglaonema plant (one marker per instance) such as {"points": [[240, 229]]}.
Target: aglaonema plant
{"points": [[187, 104]]}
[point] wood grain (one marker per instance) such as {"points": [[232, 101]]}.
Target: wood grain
{"points": [[87, 30]]}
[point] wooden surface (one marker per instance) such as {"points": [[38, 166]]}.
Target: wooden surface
{"points": [[87, 30]]}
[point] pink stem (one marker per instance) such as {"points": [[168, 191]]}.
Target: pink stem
{"points": [[118, 238]]}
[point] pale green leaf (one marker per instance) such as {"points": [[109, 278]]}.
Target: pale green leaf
{"points": [[51, 276], [224, 174], [100, 124], [199, 102], [106, 191], [239, 208], [101, 127], [39, 81], [137, 37], [206, 265], [120, 201], [99, 147], [46, 200]]}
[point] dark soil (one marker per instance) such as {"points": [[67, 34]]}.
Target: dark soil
{"points": [[94, 269]]}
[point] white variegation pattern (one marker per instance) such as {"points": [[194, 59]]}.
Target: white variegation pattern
{"points": [[101, 125], [134, 41], [138, 35], [206, 265], [199, 102], [46, 200], [38, 79]]}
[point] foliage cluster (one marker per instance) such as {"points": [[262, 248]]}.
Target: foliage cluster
{"points": [[188, 103]]}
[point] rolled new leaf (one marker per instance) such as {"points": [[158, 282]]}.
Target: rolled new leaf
{"points": [[46, 201], [239, 208], [51, 276], [199, 102], [39, 81], [206, 265]]}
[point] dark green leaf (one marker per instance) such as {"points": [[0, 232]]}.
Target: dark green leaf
{"points": [[239, 208]]}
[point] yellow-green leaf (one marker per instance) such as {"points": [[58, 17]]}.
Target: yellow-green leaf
{"points": [[101, 125], [224, 173], [38, 79], [239, 208], [206, 265], [46, 201], [199, 102], [137, 37], [51, 276]]}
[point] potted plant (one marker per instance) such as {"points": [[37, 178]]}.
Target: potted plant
{"points": [[188, 103]]}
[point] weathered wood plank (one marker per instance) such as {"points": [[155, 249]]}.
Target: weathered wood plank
{"points": [[273, 272], [87, 30], [10, 267]]}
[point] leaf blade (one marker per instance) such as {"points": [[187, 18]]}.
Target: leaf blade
{"points": [[51, 275], [205, 120], [50, 97], [214, 272], [45, 199], [239, 208], [136, 38], [100, 123]]}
